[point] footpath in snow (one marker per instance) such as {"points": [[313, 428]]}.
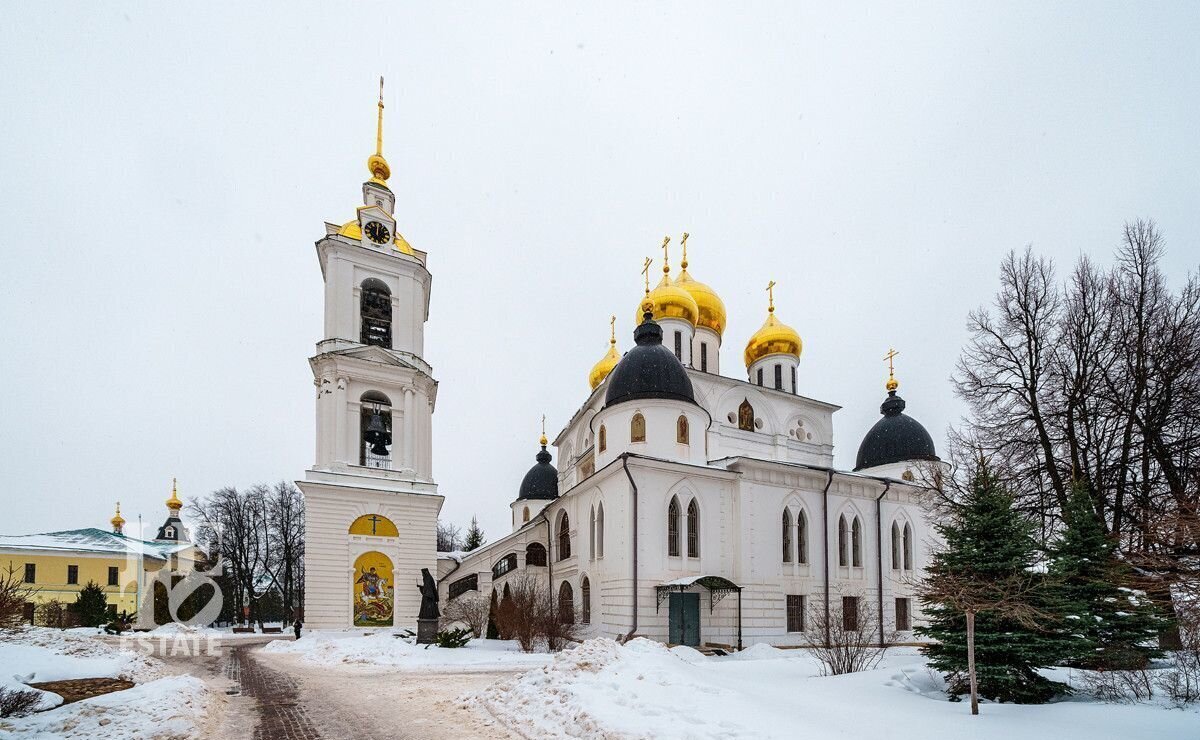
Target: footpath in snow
{"points": [[386, 649], [159, 706], [645, 690]]}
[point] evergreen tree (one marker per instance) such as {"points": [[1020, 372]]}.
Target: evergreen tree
{"points": [[988, 569], [475, 538], [91, 606], [493, 633], [1117, 625]]}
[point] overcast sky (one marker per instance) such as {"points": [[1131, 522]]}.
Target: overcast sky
{"points": [[164, 173]]}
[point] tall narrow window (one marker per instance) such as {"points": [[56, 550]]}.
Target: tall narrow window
{"points": [[681, 430], [787, 536], [603, 438], [673, 528], [113, 575], [778, 377], [72, 574], [566, 604], [793, 380], [637, 429], [564, 537], [903, 620], [795, 613], [895, 546], [376, 311], [746, 416], [585, 601], [760, 377], [693, 533], [679, 346], [600, 530], [908, 547], [856, 541], [850, 613], [375, 430], [525, 514], [843, 549], [703, 357], [592, 534], [802, 538]]}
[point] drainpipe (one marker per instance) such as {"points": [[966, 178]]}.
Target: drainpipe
{"points": [[633, 486], [825, 530], [879, 550]]}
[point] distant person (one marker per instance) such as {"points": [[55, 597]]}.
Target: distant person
{"points": [[296, 628]]}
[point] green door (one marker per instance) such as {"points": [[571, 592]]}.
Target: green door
{"points": [[684, 619]]}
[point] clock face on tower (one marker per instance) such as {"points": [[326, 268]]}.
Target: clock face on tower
{"points": [[377, 232]]}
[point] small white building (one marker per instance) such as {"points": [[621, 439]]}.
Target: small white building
{"points": [[686, 506]]}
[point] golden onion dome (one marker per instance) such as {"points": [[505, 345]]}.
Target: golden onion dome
{"points": [[710, 306], [118, 521], [174, 503], [773, 338], [669, 301], [610, 359]]}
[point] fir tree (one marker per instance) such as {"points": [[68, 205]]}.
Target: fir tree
{"points": [[493, 633], [475, 538], [1116, 624], [91, 606], [987, 573]]}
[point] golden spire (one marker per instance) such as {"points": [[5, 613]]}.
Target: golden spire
{"points": [[376, 164], [612, 330], [118, 521], [173, 503], [646, 273], [892, 383], [771, 297], [543, 441], [666, 260], [683, 243]]}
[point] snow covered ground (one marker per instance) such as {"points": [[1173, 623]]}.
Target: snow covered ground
{"points": [[158, 707], [645, 690], [385, 649]]}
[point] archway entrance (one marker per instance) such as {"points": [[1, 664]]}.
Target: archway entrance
{"points": [[372, 592]]}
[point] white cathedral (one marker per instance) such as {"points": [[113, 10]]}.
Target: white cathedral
{"points": [[686, 506]]}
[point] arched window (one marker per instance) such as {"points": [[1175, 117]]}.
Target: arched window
{"points": [[908, 547], [564, 537], [535, 554], [637, 429], [592, 534], [375, 308], [746, 416], [681, 430], [600, 529], [787, 536], [673, 528], [585, 601], [843, 549], [693, 521], [856, 542], [895, 546], [603, 437], [374, 430], [566, 603], [504, 565], [525, 514], [802, 538], [168, 533]]}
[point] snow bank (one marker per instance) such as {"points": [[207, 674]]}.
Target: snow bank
{"points": [[385, 649], [645, 690], [166, 708], [37, 654]]}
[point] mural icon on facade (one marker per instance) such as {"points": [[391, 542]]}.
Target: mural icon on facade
{"points": [[373, 593]]}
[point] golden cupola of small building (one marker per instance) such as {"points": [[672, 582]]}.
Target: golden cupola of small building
{"points": [[668, 300], [610, 359], [709, 306], [773, 338]]}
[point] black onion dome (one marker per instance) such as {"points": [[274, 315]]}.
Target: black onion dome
{"points": [[541, 482], [896, 437], [649, 370]]}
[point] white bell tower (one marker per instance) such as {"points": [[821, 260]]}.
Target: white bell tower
{"points": [[375, 397]]}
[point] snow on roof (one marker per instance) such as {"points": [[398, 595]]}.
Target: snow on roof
{"points": [[91, 539]]}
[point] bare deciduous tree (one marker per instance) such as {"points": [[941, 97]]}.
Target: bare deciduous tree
{"points": [[851, 625], [470, 609], [14, 595]]}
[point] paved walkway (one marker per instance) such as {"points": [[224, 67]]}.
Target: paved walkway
{"points": [[281, 715]]}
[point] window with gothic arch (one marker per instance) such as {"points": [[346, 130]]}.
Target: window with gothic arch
{"points": [[843, 549], [802, 538], [895, 546], [908, 547], [673, 528], [564, 537], [856, 542], [693, 534], [637, 429], [600, 529], [787, 536]]}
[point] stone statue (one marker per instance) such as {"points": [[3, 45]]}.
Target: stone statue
{"points": [[429, 596]]}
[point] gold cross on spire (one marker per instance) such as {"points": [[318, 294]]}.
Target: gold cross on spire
{"points": [[379, 122], [771, 297], [543, 440], [892, 383], [683, 244], [666, 260], [612, 330], [646, 274]]}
